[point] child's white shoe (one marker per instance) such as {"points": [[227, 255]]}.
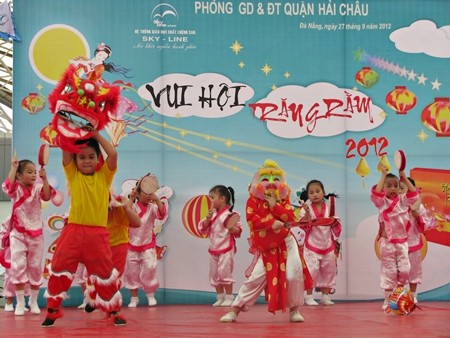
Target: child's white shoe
{"points": [[326, 300], [20, 309], [296, 317], [134, 301], [228, 300], [415, 298], [151, 300], [229, 317], [309, 300], [220, 299], [34, 308], [385, 304], [9, 307]]}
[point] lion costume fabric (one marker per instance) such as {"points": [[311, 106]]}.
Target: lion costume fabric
{"points": [[79, 105]]}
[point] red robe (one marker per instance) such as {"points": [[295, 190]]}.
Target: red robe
{"points": [[271, 245]]}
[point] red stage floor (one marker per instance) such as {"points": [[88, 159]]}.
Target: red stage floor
{"points": [[349, 319]]}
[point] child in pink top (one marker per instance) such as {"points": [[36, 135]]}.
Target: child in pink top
{"points": [[394, 220], [319, 249], [26, 236], [219, 226]]}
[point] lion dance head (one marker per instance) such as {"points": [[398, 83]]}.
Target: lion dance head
{"points": [[270, 178], [79, 106]]}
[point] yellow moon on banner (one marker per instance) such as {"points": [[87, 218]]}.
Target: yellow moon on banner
{"points": [[52, 48]]}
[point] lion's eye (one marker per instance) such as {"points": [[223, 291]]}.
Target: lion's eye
{"points": [[102, 105], [67, 89]]}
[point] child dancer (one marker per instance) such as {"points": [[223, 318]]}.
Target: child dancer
{"points": [[276, 267], [393, 209], [121, 217], [26, 236], [319, 250], [222, 225], [416, 226], [85, 238], [140, 268], [5, 261]]}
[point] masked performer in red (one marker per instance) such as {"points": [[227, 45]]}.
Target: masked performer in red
{"points": [[276, 267]]}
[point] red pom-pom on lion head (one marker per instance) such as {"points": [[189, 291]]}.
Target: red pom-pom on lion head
{"points": [[79, 106]]}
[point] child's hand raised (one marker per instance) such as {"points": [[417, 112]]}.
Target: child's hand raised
{"points": [[383, 168], [402, 175], [14, 162], [43, 173]]}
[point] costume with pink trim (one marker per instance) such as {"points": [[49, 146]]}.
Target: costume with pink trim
{"points": [[26, 236], [415, 244], [394, 220], [140, 268], [222, 247], [319, 249]]}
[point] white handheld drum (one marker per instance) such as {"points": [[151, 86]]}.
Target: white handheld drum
{"points": [[400, 160], [44, 154]]}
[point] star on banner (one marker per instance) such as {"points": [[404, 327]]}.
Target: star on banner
{"points": [[436, 84], [422, 135], [422, 79], [266, 69], [236, 47], [412, 75]]}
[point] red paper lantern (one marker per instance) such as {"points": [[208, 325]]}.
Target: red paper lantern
{"points": [[33, 103], [366, 77], [401, 99], [193, 211], [436, 116]]}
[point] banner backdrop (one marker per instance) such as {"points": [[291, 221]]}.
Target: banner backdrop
{"points": [[211, 89]]}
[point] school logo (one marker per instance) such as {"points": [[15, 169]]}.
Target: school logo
{"points": [[164, 15]]}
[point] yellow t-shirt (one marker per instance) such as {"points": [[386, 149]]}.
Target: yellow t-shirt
{"points": [[89, 195], [118, 226]]}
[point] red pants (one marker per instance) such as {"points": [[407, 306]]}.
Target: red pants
{"points": [[88, 245], [119, 258]]}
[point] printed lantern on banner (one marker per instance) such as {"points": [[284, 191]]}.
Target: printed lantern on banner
{"points": [[362, 169], [193, 211], [401, 100], [366, 77], [436, 116], [33, 103], [401, 301]]}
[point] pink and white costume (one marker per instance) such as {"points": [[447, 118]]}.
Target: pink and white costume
{"points": [[222, 247], [26, 237], [394, 220], [415, 244], [140, 268], [319, 249], [9, 289]]}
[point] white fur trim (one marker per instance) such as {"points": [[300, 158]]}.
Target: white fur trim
{"points": [[110, 280], [62, 295], [110, 305], [68, 274]]}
